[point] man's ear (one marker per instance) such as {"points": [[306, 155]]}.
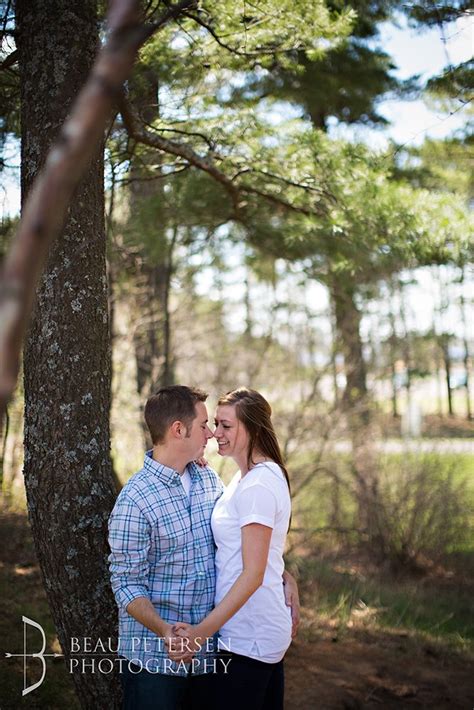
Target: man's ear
{"points": [[178, 430]]}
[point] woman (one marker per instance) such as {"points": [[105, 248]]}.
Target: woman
{"points": [[250, 522]]}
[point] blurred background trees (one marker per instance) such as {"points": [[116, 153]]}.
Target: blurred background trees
{"points": [[251, 241], [252, 238]]}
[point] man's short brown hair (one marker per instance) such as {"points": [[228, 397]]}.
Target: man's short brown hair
{"points": [[171, 404]]}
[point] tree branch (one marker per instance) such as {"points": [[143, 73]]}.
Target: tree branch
{"points": [[138, 132], [10, 60], [258, 52], [67, 161]]}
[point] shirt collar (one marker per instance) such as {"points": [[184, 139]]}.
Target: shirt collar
{"points": [[168, 475]]}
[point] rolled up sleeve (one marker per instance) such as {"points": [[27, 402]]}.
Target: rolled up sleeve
{"points": [[129, 540]]}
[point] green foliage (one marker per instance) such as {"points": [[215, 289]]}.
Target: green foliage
{"points": [[302, 196], [221, 37], [454, 84], [267, 27], [437, 13], [439, 166], [429, 609], [452, 89], [357, 221], [182, 210], [343, 83]]}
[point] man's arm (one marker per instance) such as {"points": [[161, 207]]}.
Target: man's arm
{"points": [[145, 613], [129, 540]]}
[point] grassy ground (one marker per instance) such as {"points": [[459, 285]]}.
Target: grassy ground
{"points": [[367, 639], [346, 591]]}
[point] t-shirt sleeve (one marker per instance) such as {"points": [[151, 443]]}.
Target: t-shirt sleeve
{"points": [[256, 504]]}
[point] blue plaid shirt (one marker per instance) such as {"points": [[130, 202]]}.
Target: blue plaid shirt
{"points": [[162, 548]]}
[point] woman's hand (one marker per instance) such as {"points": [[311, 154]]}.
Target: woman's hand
{"points": [[187, 640], [292, 599], [201, 462]]}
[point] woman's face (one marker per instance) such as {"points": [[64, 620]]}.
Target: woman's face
{"points": [[231, 435]]}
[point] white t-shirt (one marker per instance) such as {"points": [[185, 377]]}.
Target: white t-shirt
{"points": [[186, 481], [261, 629]]}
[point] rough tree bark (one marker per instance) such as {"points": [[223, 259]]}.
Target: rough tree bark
{"points": [[68, 477], [68, 474]]}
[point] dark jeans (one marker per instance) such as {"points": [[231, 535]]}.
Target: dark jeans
{"points": [[248, 684], [143, 690]]}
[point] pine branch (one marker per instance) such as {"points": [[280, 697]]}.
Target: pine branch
{"points": [[234, 188]]}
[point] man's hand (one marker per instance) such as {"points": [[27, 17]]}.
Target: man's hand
{"points": [[175, 645], [292, 599], [186, 641]]}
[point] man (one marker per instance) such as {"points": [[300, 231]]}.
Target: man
{"points": [[162, 554]]}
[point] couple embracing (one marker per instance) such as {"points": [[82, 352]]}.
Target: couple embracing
{"points": [[206, 609]]}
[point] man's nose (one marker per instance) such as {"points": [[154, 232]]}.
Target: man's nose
{"points": [[209, 433]]}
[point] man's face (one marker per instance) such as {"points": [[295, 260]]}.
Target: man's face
{"points": [[199, 433]]}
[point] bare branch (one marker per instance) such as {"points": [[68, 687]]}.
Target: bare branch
{"points": [[137, 131], [190, 134], [258, 52], [216, 37], [171, 13], [3, 31], [10, 61], [286, 181]]}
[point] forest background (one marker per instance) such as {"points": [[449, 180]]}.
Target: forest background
{"points": [[253, 231]]}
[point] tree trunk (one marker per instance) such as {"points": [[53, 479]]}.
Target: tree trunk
{"points": [[152, 335], [467, 355], [153, 266], [393, 377], [348, 320], [439, 386], [393, 349], [68, 475], [447, 369], [334, 353], [356, 402], [406, 348]]}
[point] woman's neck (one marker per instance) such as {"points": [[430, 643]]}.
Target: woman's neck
{"points": [[243, 463]]}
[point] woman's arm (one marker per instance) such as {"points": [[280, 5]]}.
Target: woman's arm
{"points": [[255, 545]]}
